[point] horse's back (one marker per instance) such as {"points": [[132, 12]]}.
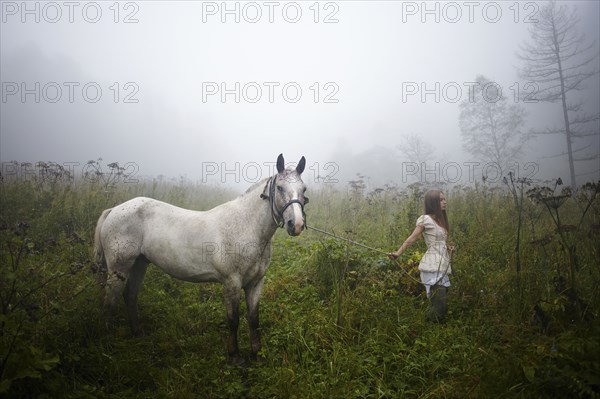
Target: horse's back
{"points": [[142, 211]]}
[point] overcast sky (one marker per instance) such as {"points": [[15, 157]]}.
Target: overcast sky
{"points": [[185, 89]]}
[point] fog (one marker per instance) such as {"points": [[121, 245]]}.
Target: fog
{"points": [[214, 91]]}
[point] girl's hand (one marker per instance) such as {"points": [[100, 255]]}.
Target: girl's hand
{"points": [[393, 255]]}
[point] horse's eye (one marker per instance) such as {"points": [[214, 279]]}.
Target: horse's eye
{"points": [[280, 189], [305, 200]]}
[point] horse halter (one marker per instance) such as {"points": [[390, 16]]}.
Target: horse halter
{"points": [[278, 213]]}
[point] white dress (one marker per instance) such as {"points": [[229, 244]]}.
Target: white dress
{"points": [[435, 265]]}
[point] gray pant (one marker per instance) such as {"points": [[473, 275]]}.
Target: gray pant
{"points": [[437, 312]]}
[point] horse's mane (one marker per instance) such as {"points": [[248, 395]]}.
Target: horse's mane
{"points": [[262, 182], [253, 187]]}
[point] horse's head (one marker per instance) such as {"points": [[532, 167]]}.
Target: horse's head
{"points": [[287, 193]]}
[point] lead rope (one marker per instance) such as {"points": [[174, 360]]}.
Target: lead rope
{"points": [[405, 272]]}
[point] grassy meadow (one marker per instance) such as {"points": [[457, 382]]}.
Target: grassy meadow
{"points": [[338, 321]]}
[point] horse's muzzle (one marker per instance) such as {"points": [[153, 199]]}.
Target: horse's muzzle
{"points": [[294, 229]]}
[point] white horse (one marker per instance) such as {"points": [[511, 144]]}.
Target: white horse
{"points": [[229, 244]]}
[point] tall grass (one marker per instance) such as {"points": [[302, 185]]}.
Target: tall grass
{"points": [[337, 321]]}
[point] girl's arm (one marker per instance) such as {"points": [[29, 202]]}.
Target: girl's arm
{"points": [[409, 241]]}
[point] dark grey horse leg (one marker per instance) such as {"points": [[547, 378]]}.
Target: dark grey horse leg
{"points": [[232, 305], [252, 303], [115, 282], [132, 288]]}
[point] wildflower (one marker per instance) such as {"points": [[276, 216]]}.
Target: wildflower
{"points": [[555, 201]]}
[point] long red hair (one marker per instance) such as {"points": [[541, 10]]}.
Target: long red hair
{"points": [[433, 208]]}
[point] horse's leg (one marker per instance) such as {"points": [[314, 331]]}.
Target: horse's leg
{"points": [[252, 303], [132, 288], [232, 304], [120, 259], [115, 282]]}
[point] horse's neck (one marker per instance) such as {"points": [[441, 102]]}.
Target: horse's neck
{"points": [[258, 212]]}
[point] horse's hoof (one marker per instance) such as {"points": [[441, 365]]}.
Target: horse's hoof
{"points": [[258, 359], [237, 360], [138, 332]]}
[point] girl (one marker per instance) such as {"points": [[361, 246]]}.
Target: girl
{"points": [[435, 264]]}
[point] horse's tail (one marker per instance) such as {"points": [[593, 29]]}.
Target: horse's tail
{"points": [[98, 249]]}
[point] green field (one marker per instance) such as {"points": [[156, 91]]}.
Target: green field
{"points": [[337, 321]]}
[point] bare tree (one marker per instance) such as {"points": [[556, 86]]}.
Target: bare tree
{"points": [[491, 126], [415, 149], [416, 157], [557, 63]]}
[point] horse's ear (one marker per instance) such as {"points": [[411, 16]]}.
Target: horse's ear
{"points": [[280, 164], [301, 165]]}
